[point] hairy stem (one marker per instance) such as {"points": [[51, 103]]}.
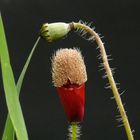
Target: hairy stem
{"points": [[107, 68], [74, 131], [74, 127]]}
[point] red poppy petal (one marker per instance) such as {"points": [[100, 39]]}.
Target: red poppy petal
{"points": [[73, 99]]}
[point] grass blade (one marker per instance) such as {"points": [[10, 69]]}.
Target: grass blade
{"points": [[21, 77], [9, 130], [10, 89]]}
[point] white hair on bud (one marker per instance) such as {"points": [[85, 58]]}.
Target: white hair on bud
{"points": [[68, 64]]}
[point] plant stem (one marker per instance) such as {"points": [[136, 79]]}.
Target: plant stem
{"points": [[109, 75], [74, 131], [74, 128]]}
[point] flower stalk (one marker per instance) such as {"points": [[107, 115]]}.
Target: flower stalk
{"points": [[110, 77], [74, 128], [74, 131]]}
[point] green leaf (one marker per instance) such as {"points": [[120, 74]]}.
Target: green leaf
{"points": [[9, 130], [10, 89]]}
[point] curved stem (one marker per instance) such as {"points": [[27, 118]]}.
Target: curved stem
{"points": [[109, 75]]}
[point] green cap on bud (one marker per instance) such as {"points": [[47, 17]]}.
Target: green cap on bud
{"points": [[54, 31]]}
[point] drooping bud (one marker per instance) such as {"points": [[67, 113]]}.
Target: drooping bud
{"points": [[54, 31]]}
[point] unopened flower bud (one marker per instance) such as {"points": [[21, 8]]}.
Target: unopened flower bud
{"points": [[54, 31], [69, 77]]}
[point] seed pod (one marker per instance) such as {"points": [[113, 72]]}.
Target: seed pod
{"points": [[54, 31]]}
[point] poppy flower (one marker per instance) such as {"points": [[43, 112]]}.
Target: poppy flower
{"points": [[69, 77]]}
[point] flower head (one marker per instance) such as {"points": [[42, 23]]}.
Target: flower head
{"points": [[69, 77]]}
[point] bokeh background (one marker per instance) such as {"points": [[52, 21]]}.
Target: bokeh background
{"points": [[118, 21]]}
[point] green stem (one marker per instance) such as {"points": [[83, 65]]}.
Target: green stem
{"points": [[9, 130], [74, 131], [109, 75]]}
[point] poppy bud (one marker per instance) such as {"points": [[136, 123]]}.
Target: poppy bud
{"points": [[69, 77], [54, 31]]}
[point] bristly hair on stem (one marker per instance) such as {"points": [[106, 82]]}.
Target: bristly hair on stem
{"points": [[74, 131], [83, 29]]}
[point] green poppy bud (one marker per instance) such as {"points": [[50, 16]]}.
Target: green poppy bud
{"points": [[54, 31]]}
